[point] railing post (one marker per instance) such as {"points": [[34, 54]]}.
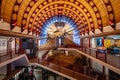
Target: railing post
{"points": [[96, 54], [10, 54], [106, 57], [73, 74], [15, 46], [59, 67], [85, 49], [38, 61], [90, 51], [18, 53], [47, 62], [0, 58], [57, 62], [103, 69]]}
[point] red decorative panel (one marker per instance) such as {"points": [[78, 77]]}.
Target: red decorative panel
{"points": [[110, 13], [98, 16], [14, 14]]}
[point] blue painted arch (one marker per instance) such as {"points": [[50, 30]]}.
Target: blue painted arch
{"points": [[67, 20]]}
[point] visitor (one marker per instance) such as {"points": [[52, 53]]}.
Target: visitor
{"points": [[31, 73]]}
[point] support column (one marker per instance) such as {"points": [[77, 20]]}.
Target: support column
{"points": [[105, 56], [89, 52], [62, 41], [103, 69], [0, 8], [81, 44], [54, 76], [9, 69], [15, 46], [89, 42], [57, 42]]}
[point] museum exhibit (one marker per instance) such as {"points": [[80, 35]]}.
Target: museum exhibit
{"points": [[59, 39]]}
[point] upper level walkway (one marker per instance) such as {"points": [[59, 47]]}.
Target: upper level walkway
{"points": [[70, 74], [104, 56], [23, 60], [105, 59]]}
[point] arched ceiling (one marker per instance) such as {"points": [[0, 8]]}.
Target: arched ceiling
{"points": [[87, 14], [62, 24]]}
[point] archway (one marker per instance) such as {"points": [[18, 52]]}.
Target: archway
{"points": [[60, 26]]}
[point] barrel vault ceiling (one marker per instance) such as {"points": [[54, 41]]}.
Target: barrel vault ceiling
{"points": [[88, 14]]}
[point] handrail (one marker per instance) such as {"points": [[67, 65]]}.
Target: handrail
{"points": [[6, 50], [44, 55], [61, 69], [45, 48], [14, 59], [115, 32], [15, 34], [117, 70], [76, 72], [13, 74], [7, 55], [72, 72]]}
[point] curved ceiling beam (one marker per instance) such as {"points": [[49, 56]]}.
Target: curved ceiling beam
{"points": [[94, 11], [77, 6], [74, 18], [42, 20], [110, 12], [54, 19], [101, 9], [101, 12], [75, 15], [44, 11], [73, 9], [24, 9]]}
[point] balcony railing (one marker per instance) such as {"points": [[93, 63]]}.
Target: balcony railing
{"points": [[64, 70], [105, 57], [7, 55]]}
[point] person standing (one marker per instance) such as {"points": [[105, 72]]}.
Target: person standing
{"points": [[32, 76]]}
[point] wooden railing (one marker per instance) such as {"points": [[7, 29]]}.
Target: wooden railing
{"points": [[101, 56], [7, 55], [64, 70], [46, 48], [105, 57], [93, 53], [44, 55]]}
